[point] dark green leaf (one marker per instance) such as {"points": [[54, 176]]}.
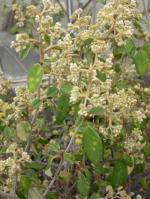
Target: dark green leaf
{"points": [[51, 195], [95, 196], [54, 147], [83, 185], [52, 91], [36, 104], [129, 47], [47, 39], [34, 77], [101, 76], [138, 26], [92, 145], [141, 61], [117, 68], [147, 150], [69, 158], [62, 108], [25, 183], [97, 111], [144, 183], [66, 89], [119, 174], [139, 168], [88, 41]]}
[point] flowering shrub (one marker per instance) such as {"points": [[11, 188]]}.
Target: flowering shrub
{"points": [[81, 133]]}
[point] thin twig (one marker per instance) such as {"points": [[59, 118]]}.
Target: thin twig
{"points": [[86, 4], [61, 161], [63, 8]]}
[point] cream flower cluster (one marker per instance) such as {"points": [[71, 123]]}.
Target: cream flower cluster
{"points": [[22, 39], [19, 15], [11, 167], [4, 111], [120, 193], [83, 56], [116, 17], [31, 11], [4, 85], [134, 144], [22, 104], [41, 19], [51, 7]]}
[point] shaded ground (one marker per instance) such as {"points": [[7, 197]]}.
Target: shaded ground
{"points": [[138, 181]]}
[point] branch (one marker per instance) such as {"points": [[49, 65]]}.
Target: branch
{"points": [[63, 8], [61, 162], [86, 4]]}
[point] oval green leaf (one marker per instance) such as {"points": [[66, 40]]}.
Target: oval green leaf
{"points": [[141, 61], [62, 108], [119, 174], [34, 77], [25, 51], [23, 130], [83, 185], [93, 146]]}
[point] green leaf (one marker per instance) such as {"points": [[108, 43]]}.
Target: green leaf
{"points": [[25, 183], [52, 91], [129, 47], [34, 77], [138, 26], [144, 183], [49, 162], [83, 185], [47, 39], [147, 150], [97, 111], [62, 108], [141, 61], [119, 174], [146, 48], [23, 130], [51, 195], [122, 84], [117, 68], [101, 76], [95, 196], [36, 104], [69, 158], [88, 41], [92, 145], [66, 89], [25, 51], [54, 147], [7, 132]]}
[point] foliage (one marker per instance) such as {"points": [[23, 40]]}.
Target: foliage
{"points": [[83, 130]]}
